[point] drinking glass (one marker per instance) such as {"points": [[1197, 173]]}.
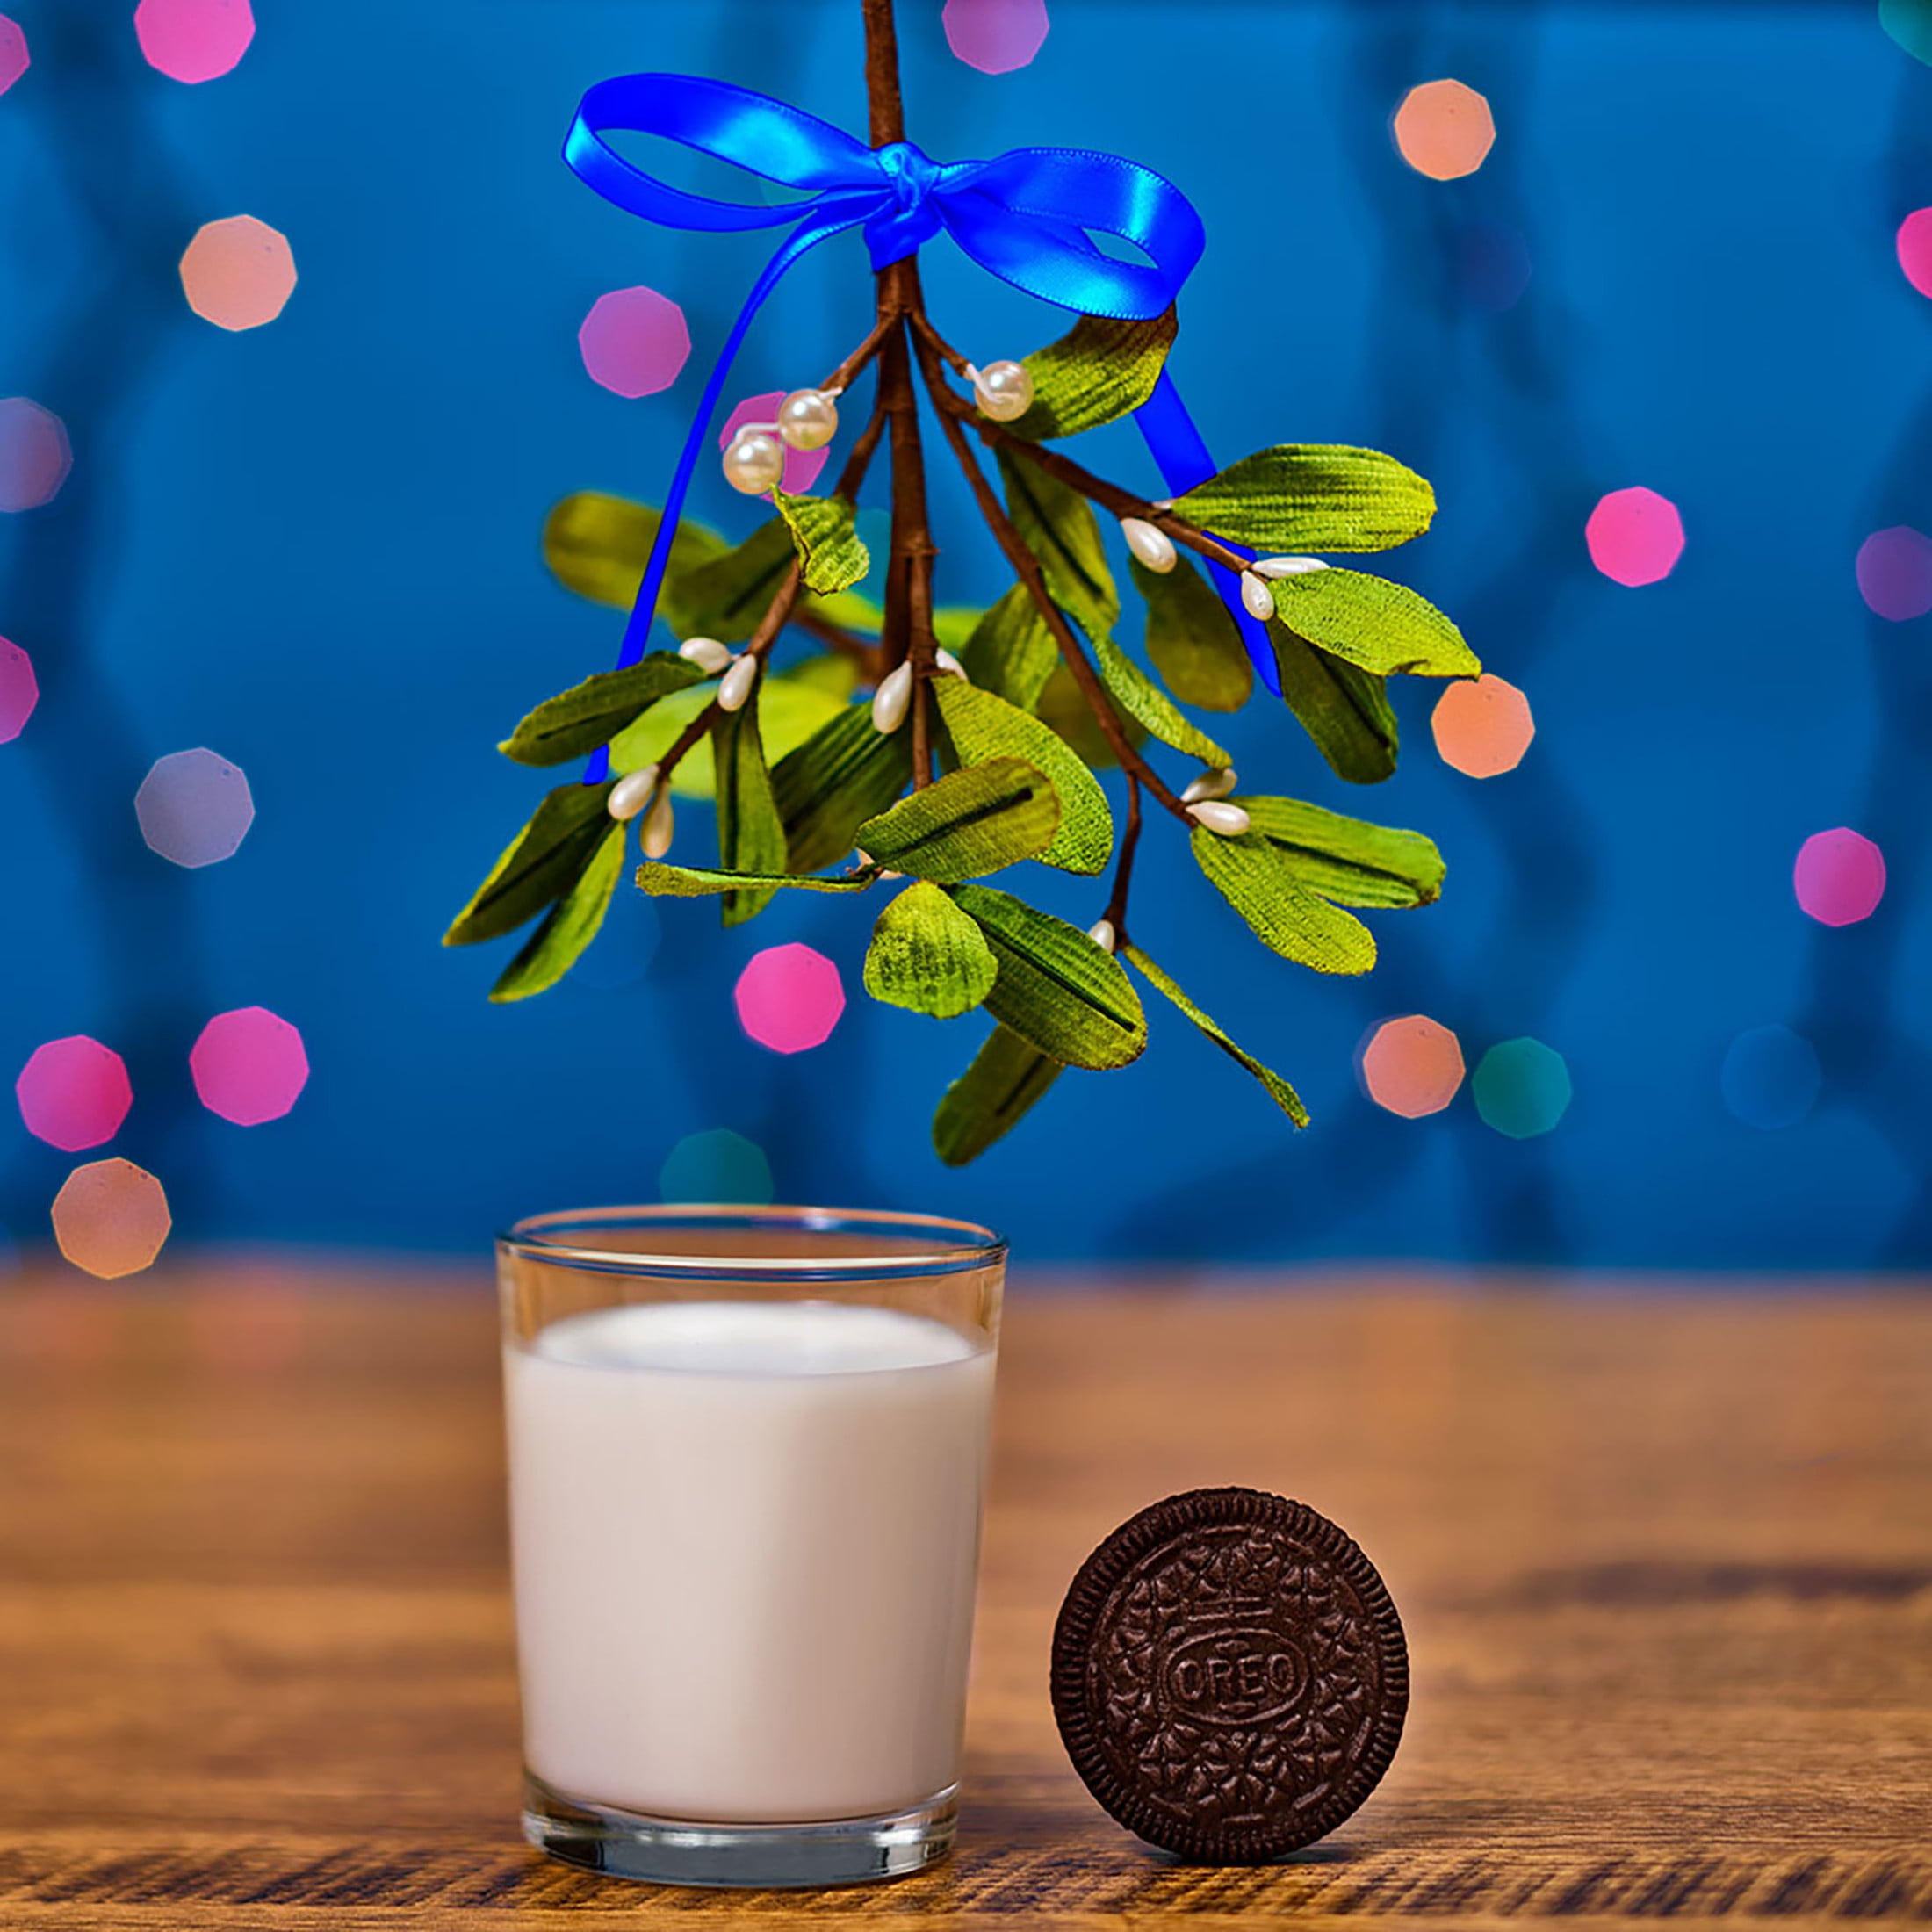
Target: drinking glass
{"points": [[747, 1456]]}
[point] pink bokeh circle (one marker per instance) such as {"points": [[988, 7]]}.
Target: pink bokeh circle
{"points": [[248, 1065], [996, 36], [1894, 572], [74, 1093], [1635, 536], [20, 690], [1914, 246], [14, 57], [789, 999], [634, 341], [1840, 877], [194, 41]]}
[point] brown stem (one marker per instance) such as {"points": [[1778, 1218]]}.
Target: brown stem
{"points": [[881, 73], [1124, 869], [908, 631], [1026, 567]]}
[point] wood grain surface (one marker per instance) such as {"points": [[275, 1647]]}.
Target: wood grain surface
{"points": [[1664, 1554]]}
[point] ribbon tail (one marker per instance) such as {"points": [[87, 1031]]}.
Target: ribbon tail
{"points": [[1183, 460], [636, 630]]}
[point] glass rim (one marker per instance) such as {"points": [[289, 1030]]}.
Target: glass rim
{"points": [[955, 1246]]}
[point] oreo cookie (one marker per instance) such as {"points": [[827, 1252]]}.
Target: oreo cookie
{"points": [[1229, 1675]]}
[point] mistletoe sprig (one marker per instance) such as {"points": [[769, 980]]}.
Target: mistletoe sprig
{"points": [[912, 751]]}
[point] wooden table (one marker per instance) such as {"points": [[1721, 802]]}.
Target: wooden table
{"points": [[1665, 1557]]}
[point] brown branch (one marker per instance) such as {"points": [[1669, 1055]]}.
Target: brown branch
{"points": [[1115, 914], [942, 348], [759, 646], [1026, 567], [842, 377]]}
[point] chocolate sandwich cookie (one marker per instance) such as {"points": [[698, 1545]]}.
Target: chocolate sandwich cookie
{"points": [[1229, 1675]]}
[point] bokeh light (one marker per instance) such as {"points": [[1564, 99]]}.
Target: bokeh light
{"points": [[634, 341], [802, 466], [194, 40], [1482, 726], [1492, 264], [194, 807], [14, 58], [1522, 1088], [996, 36], [1770, 1077], [1444, 130], [1840, 877], [74, 1093], [20, 690], [1894, 571], [111, 1218], [238, 272], [717, 1166], [248, 1065], [1909, 23], [35, 455], [1914, 246], [1635, 536], [789, 999], [1412, 1066]]}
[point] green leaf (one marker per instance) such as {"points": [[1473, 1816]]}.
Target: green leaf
{"points": [[844, 774], [831, 673], [1348, 860], [927, 956], [790, 709], [1261, 883], [1193, 639], [541, 863], [1300, 496], [598, 545], [1057, 988], [1058, 526], [1100, 370], [1064, 709], [698, 882], [725, 598], [571, 924], [1141, 698], [991, 1098], [1344, 710], [972, 821], [750, 836], [1011, 652], [1373, 623], [576, 721], [1283, 1095], [984, 726], [829, 551]]}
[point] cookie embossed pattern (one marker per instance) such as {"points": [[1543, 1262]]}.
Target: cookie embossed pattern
{"points": [[1229, 1675]]}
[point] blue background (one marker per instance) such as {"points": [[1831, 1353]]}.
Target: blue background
{"points": [[313, 548]]}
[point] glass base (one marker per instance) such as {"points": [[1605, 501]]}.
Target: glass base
{"points": [[671, 1851]]}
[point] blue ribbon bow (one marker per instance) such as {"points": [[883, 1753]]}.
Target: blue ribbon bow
{"points": [[1024, 216]]}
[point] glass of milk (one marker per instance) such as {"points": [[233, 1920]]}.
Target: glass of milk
{"points": [[746, 1453]]}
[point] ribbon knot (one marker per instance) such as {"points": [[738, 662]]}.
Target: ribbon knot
{"points": [[893, 234], [1026, 216]]}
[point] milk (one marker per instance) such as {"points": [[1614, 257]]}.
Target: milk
{"points": [[745, 1537]]}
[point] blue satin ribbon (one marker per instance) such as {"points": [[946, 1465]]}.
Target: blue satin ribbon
{"points": [[1024, 216]]}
